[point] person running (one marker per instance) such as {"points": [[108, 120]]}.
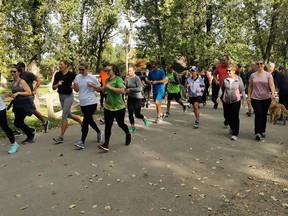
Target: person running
{"points": [[22, 106], [196, 87], [173, 89], [134, 90], [85, 83], [157, 78], [8, 131], [103, 76], [114, 107], [260, 92], [207, 84], [233, 90], [30, 78], [63, 80]]}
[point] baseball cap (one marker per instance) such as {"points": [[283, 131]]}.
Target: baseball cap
{"points": [[194, 68]]}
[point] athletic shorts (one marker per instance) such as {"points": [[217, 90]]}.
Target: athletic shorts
{"points": [[175, 96], [158, 96], [193, 100]]}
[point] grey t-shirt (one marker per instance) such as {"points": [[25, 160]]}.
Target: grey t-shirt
{"points": [[135, 86]]}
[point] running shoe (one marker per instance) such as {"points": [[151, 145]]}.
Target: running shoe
{"points": [[79, 144], [225, 123], [248, 114], [196, 124], [33, 130], [13, 148], [99, 136], [103, 147], [27, 140], [166, 115], [233, 137], [263, 135], [146, 122], [132, 130], [158, 119], [128, 139], [258, 137], [58, 140], [17, 133], [185, 108], [102, 120], [46, 126]]}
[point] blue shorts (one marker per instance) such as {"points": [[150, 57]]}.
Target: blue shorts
{"points": [[158, 96]]}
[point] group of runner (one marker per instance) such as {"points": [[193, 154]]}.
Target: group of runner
{"points": [[229, 88]]}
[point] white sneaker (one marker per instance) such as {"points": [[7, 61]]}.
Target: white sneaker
{"points": [[233, 137]]}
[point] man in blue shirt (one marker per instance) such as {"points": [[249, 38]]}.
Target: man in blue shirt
{"points": [[157, 78]]}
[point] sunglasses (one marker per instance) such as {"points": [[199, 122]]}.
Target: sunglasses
{"points": [[260, 63], [13, 72], [81, 69], [108, 70]]}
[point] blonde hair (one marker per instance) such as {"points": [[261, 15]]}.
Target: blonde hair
{"points": [[233, 67]]}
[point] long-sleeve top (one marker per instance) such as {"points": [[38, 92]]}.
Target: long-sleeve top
{"points": [[135, 86], [232, 89]]}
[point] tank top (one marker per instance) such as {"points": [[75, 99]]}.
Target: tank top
{"points": [[18, 88]]}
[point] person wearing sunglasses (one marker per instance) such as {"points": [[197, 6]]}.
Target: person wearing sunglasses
{"points": [[232, 91], [86, 84], [22, 106], [63, 80], [260, 92], [114, 107]]}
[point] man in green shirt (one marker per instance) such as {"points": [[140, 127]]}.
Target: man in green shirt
{"points": [[173, 90]]}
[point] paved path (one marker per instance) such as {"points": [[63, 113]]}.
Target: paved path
{"points": [[169, 169]]}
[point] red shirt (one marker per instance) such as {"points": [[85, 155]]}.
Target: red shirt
{"points": [[221, 72]]}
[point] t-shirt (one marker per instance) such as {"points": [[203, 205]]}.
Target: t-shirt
{"points": [[157, 75], [2, 104], [114, 101], [68, 78], [221, 72], [104, 76], [173, 85], [87, 94], [261, 89], [29, 78]]}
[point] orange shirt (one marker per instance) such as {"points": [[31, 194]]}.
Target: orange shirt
{"points": [[103, 76]]}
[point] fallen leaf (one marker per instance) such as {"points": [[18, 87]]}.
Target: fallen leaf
{"points": [[24, 207], [18, 195], [82, 212], [108, 208], [72, 206]]}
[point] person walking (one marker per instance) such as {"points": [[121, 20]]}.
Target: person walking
{"points": [[196, 88], [232, 90], [134, 90], [63, 80], [174, 91], [253, 68], [114, 107], [5, 127], [157, 78], [260, 92], [30, 79], [22, 106], [85, 83]]}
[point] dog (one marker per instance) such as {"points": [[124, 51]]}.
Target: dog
{"points": [[277, 110]]}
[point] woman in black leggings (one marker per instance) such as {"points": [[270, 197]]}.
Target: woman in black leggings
{"points": [[134, 91], [114, 105], [4, 125]]}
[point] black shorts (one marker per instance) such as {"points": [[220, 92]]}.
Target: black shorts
{"points": [[175, 96], [197, 99]]}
